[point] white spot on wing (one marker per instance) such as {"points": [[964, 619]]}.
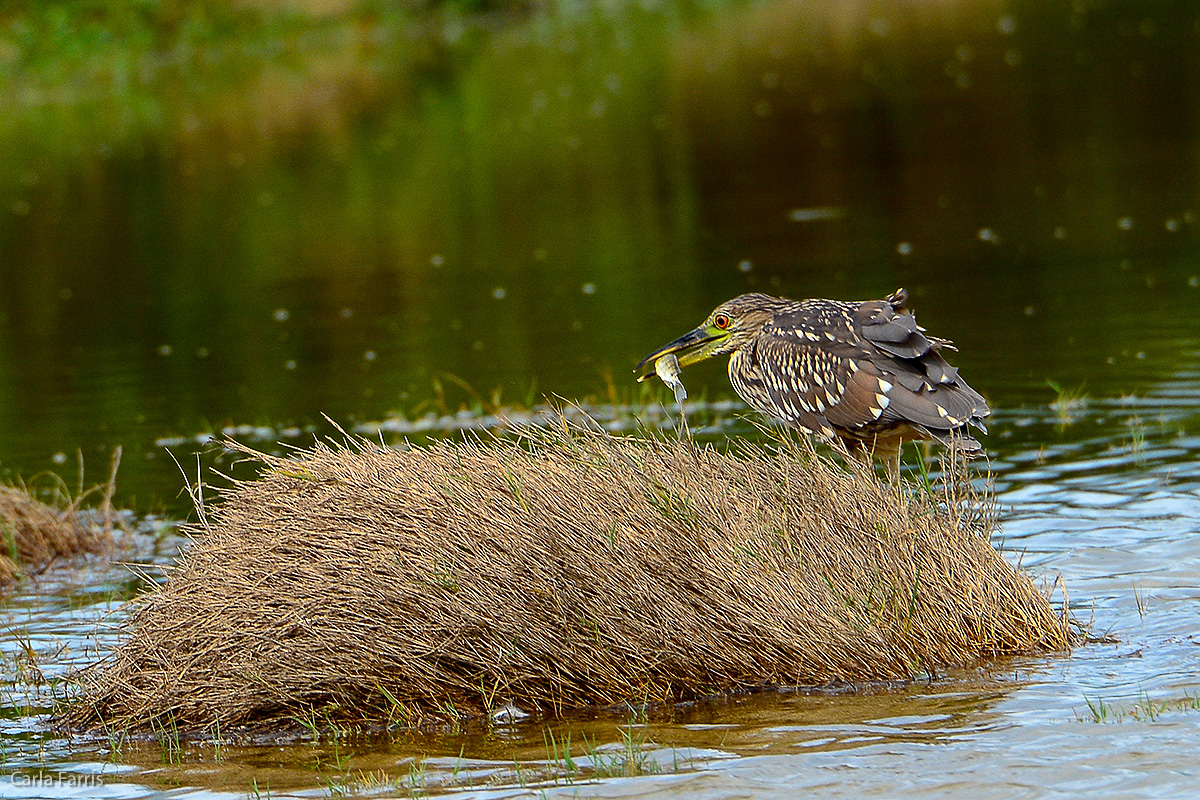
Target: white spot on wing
{"points": [[883, 400], [884, 386]]}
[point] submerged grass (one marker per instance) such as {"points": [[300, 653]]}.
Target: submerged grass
{"points": [[358, 586]]}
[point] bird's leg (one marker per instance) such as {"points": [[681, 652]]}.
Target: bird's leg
{"points": [[893, 466], [888, 451]]}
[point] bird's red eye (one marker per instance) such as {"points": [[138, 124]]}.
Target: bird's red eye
{"points": [[721, 321]]}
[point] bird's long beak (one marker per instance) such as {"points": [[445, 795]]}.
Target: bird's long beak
{"points": [[689, 348]]}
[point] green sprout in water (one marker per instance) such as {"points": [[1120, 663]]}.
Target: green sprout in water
{"points": [[1069, 403], [1137, 439], [1143, 709]]}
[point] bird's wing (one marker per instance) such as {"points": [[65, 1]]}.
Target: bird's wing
{"points": [[817, 383], [856, 365], [926, 390]]}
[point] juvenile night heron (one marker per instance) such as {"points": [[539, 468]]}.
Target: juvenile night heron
{"points": [[864, 372]]}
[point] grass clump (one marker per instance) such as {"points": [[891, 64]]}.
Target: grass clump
{"points": [[34, 534], [365, 586]]}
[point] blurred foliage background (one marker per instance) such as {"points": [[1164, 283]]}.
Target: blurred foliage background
{"points": [[220, 212]]}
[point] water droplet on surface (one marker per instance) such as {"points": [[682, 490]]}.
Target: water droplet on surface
{"points": [[281, 315], [436, 260], [59, 458], [1060, 233], [988, 235], [165, 349], [1194, 281], [499, 293], [346, 313], [904, 248], [1171, 224], [1125, 223], [289, 364], [745, 266], [964, 53], [1006, 25], [201, 352], [369, 355], [588, 288], [1030, 311], [963, 81], [1012, 57]]}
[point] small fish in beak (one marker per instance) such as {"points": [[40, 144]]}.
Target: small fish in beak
{"points": [[667, 368]]}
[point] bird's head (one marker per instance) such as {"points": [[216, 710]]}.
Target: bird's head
{"points": [[730, 326]]}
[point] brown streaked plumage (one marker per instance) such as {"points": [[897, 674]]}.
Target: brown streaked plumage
{"points": [[862, 371]]}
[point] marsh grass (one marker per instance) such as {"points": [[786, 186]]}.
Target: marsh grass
{"points": [[40, 523], [1142, 709], [1068, 404], [357, 587]]}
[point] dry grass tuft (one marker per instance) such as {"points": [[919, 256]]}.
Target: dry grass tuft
{"points": [[364, 585], [34, 534]]}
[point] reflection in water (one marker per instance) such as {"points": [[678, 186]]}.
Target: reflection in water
{"points": [[387, 220], [528, 208]]}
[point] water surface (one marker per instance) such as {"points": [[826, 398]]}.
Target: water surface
{"points": [[417, 225]]}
